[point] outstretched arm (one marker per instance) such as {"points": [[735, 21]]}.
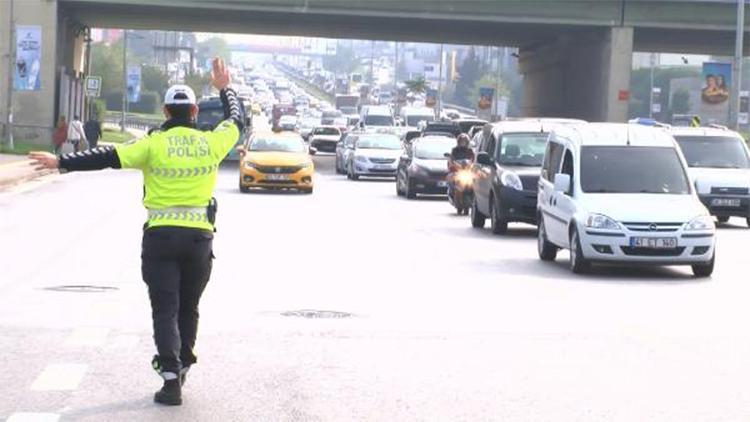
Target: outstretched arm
{"points": [[92, 159]]}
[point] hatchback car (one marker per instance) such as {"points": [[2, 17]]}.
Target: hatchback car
{"points": [[276, 161], [374, 155], [344, 148], [423, 169], [620, 193], [719, 165]]}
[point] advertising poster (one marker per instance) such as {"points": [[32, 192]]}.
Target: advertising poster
{"points": [[431, 97], [28, 58], [717, 80], [134, 83], [485, 98]]}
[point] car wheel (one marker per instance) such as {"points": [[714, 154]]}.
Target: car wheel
{"points": [[547, 251], [722, 220], [411, 193], [747, 221], [352, 175], [498, 224], [578, 264], [243, 189], [704, 270], [399, 192], [477, 218]]}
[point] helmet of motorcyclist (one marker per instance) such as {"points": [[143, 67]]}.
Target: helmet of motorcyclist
{"points": [[463, 140]]}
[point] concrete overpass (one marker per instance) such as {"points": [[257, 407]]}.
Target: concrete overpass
{"points": [[575, 54]]}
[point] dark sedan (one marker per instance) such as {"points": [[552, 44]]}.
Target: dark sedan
{"points": [[423, 169]]}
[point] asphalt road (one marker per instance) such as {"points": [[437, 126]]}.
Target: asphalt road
{"points": [[440, 322]]}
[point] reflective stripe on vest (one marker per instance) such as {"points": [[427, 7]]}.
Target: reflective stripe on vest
{"points": [[179, 214], [183, 172]]}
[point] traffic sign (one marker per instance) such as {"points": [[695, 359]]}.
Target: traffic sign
{"points": [[93, 86]]}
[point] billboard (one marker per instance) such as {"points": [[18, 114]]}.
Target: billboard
{"points": [[28, 58], [717, 82], [134, 83], [485, 98]]}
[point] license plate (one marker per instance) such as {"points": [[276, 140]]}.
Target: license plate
{"points": [[442, 184], [653, 242], [724, 202], [276, 177], [383, 167]]}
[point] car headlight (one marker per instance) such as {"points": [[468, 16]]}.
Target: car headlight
{"points": [[701, 223], [602, 222], [360, 159], [511, 180], [250, 165]]}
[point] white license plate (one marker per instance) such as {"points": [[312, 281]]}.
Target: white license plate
{"points": [[276, 177], [724, 202], [383, 167], [653, 242], [442, 184]]}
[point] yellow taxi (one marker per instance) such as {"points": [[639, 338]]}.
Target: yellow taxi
{"points": [[256, 109], [276, 160]]}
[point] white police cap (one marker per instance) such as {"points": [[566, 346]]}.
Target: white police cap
{"points": [[179, 94]]}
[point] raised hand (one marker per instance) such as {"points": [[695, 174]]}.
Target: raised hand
{"points": [[220, 76], [43, 160]]}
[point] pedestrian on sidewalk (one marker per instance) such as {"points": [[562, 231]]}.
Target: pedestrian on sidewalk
{"points": [[60, 135], [93, 130], [76, 134], [179, 166]]}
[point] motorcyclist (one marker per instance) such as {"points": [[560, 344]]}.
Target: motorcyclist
{"points": [[462, 151]]}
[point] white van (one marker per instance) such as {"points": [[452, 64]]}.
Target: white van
{"points": [[621, 193], [719, 165], [412, 116], [375, 115]]}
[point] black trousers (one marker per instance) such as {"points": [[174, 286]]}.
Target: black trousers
{"points": [[176, 265]]}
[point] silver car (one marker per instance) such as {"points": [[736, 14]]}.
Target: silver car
{"points": [[374, 155]]}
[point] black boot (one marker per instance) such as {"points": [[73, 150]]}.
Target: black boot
{"points": [[171, 393]]}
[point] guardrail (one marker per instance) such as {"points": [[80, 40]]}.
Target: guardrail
{"points": [[133, 122]]}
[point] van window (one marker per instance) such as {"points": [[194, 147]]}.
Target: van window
{"points": [[552, 158], [567, 165]]}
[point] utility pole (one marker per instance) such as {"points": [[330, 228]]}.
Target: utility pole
{"points": [[497, 85], [395, 67], [124, 79], [734, 105], [11, 57], [651, 87], [440, 84], [372, 65]]}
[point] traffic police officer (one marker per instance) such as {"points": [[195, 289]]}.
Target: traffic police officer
{"points": [[179, 166]]}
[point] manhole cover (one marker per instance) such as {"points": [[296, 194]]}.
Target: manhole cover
{"points": [[81, 289], [312, 313]]}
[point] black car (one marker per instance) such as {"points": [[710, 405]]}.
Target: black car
{"points": [[211, 113], [423, 168], [508, 166], [467, 125], [442, 128]]}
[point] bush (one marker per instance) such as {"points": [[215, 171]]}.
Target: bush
{"points": [[98, 108], [148, 104]]}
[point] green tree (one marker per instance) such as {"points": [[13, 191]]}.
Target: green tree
{"points": [[199, 83], [210, 48], [469, 72], [154, 79], [487, 81], [417, 85], [344, 61], [106, 61]]}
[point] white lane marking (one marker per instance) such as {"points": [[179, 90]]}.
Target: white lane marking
{"points": [[60, 377], [87, 337], [33, 417]]}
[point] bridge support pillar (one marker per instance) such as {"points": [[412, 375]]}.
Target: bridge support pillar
{"points": [[585, 76]]}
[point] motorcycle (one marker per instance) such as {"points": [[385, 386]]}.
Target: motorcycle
{"points": [[461, 186]]}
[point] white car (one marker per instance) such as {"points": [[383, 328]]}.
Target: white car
{"points": [[719, 165], [325, 138], [620, 193], [374, 155]]}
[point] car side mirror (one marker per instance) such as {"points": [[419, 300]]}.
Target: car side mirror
{"points": [[313, 150], [484, 159], [447, 155], [562, 183]]}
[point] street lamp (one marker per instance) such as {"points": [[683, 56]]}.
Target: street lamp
{"points": [[734, 105]]}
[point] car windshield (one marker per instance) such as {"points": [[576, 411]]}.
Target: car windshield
{"points": [[414, 120], [277, 145], [712, 151], [379, 142], [327, 131], [376, 120], [467, 125], [522, 149], [348, 110], [434, 150], [631, 169], [210, 116]]}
